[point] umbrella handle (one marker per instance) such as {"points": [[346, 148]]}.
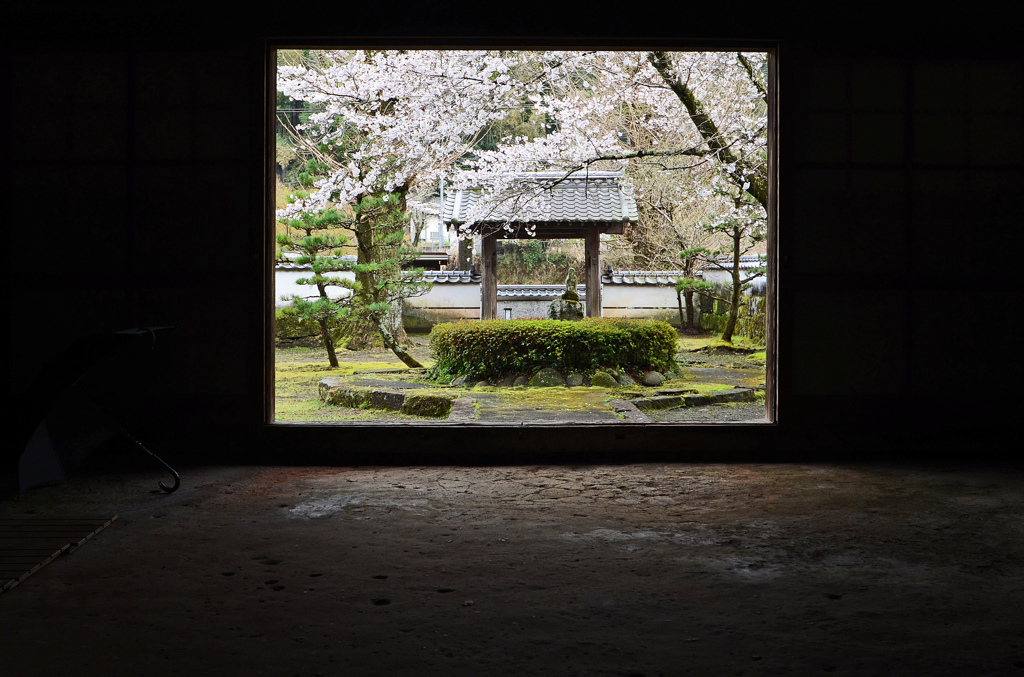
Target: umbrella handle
{"points": [[177, 478]]}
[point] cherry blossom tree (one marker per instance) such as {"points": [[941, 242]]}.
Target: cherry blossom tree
{"points": [[674, 111], [700, 118], [387, 123], [390, 122]]}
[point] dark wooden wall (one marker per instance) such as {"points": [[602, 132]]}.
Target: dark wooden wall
{"points": [[136, 136]]}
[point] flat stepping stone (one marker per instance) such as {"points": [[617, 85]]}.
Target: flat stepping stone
{"points": [[628, 411], [695, 400], [463, 409], [380, 383], [337, 392], [394, 370]]}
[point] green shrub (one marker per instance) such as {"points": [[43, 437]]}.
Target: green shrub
{"points": [[291, 328], [495, 348], [750, 320]]}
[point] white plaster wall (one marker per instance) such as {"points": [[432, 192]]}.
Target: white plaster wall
{"points": [[641, 302], [723, 277], [285, 285], [523, 309], [443, 303]]}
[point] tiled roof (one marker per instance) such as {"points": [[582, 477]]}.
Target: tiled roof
{"points": [[747, 261], [581, 198], [451, 277], [655, 277], [536, 291]]}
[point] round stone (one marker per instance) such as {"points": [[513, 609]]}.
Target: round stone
{"points": [[547, 378], [652, 378], [603, 379]]}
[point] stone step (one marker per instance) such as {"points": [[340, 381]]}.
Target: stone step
{"points": [[695, 400], [417, 403]]}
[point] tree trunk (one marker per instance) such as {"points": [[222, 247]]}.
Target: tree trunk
{"points": [[465, 254], [679, 300], [756, 180], [734, 301], [690, 315], [325, 333], [734, 308], [363, 332], [395, 347]]}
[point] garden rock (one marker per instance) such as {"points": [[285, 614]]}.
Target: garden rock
{"points": [[427, 404], [626, 380], [652, 378], [547, 378], [562, 309], [387, 399], [574, 380], [521, 381], [603, 379]]}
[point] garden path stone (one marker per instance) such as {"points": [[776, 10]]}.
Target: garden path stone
{"points": [[380, 383]]}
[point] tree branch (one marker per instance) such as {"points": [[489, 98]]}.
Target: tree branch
{"points": [[750, 179]]}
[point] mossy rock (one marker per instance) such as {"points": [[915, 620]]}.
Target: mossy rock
{"points": [[431, 405], [652, 378], [387, 399], [345, 397], [603, 379], [547, 378], [574, 380]]}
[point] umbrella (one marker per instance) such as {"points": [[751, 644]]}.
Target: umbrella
{"points": [[68, 428]]}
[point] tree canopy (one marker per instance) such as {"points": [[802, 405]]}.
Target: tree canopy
{"points": [[688, 129]]}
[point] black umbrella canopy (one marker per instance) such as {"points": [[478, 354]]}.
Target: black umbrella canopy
{"points": [[66, 428]]}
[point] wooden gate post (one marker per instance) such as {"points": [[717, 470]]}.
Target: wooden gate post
{"points": [[489, 284], [592, 272]]}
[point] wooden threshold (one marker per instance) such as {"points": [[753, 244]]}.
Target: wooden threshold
{"points": [[27, 544]]}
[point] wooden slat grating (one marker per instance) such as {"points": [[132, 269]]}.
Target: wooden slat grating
{"points": [[29, 543]]}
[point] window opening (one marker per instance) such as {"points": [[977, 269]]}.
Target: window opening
{"points": [[399, 172]]}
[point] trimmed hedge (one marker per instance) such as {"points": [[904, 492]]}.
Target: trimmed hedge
{"points": [[496, 348]]}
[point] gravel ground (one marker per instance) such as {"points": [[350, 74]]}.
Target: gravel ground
{"points": [[712, 413]]}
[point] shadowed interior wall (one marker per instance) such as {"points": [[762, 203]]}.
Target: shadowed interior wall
{"points": [[139, 138]]}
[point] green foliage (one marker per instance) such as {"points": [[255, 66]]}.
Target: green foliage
{"points": [[533, 262], [684, 283], [293, 327], [496, 348], [750, 320]]}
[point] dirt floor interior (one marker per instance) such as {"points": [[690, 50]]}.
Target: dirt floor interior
{"points": [[529, 570]]}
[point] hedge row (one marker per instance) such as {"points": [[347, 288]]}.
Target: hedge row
{"points": [[496, 348]]}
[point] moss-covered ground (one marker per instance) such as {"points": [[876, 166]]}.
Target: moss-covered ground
{"points": [[296, 397], [707, 365]]}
